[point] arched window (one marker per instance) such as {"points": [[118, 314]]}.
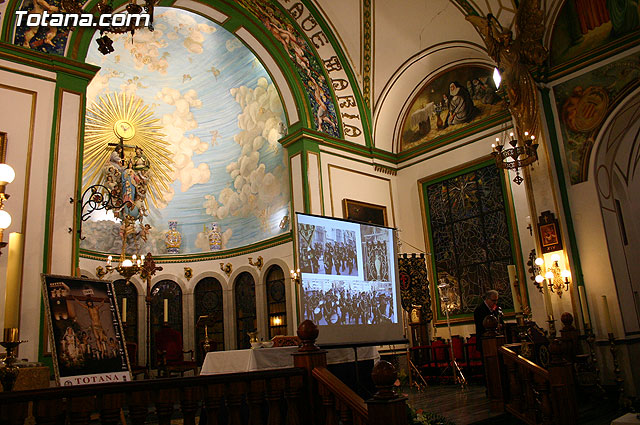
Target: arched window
{"points": [[208, 302], [161, 291], [130, 319], [245, 293], [276, 302]]}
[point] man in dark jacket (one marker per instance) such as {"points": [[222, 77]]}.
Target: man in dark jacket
{"points": [[489, 306]]}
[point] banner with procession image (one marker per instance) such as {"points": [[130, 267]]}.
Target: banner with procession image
{"points": [[87, 342]]}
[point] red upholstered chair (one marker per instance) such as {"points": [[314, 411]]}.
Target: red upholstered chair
{"points": [[170, 353], [474, 358], [136, 369], [458, 351]]}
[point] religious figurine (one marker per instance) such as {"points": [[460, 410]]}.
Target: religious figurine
{"points": [[513, 58], [215, 237]]}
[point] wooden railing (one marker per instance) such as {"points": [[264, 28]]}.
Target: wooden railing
{"points": [[304, 394], [231, 399], [528, 391]]}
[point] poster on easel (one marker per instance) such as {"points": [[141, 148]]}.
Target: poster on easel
{"points": [[86, 335]]}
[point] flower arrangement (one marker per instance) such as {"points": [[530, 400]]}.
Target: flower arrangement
{"points": [[422, 417]]}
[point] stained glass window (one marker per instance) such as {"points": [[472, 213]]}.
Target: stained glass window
{"points": [[470, 238], [170, 291], [276, 302]]}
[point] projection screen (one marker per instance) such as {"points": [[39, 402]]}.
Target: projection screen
{"points": [[349, 276]]}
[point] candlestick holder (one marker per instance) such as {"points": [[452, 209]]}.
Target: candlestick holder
{"points": [[623, 401], [9, 372], [552, 326]]}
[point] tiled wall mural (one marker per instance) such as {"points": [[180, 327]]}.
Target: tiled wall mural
{"points": [[470, 238], [221, 118]]}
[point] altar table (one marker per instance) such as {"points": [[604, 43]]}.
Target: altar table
{"points": [[234, 361]]}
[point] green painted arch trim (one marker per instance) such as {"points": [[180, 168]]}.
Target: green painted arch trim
{"points": [[205, 256], [365, 112], [51, 63]]}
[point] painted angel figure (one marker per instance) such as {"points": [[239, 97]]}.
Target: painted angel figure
{"points": [[513, 58]]}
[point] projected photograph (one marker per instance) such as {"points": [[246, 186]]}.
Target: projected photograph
{"points": [[348, 302], [375, 247], [349, 283], [327, 250]]}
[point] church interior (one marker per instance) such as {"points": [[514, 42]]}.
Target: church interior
{"points": [[174, 158]]}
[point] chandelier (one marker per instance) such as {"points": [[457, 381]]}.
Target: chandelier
{"points": [[137, 17], [515, 156]]}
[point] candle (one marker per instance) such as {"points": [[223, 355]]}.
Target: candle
{"points": [[583, 304], [124, 310], [547, 299], [607, 316], [14, 281], [166, 310], [517, 307]]}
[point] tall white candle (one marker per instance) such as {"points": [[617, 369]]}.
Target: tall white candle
{"points": [[166, 310], [14, 281], [547, 299], [607, 315], [124, 310], [517, 307], [583, 304]]}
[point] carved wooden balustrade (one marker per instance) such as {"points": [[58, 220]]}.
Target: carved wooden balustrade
{"points": [[304, 394], [265, 397], [528, 391]]}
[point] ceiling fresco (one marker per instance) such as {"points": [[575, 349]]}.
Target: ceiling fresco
{"points": [[219, 118]]}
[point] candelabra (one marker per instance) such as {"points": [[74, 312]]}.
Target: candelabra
{"points": [[517, 156], [295, 276], [623, 401]]}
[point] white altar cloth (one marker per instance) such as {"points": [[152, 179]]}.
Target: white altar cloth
{"points": [[234, 361]]}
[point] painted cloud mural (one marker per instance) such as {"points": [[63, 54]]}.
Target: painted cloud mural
{"points": [[221, 117]]}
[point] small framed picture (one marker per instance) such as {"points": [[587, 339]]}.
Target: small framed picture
{"points": [[87, 342], [549, 232], [364, 212]]}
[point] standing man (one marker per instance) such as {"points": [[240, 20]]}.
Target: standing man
{"points": [[488, 307]]}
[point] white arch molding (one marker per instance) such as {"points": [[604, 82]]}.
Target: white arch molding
{"points": [[616, 178]]}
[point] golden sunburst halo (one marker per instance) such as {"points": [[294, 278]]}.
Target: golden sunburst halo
{"points": [[118, 115]]}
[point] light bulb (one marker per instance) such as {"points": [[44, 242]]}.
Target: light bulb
{"points": [[497, 78], [555, 258], [133, 257], [539, 278], [127, 263], [566, 274], [6, 174], [5, 219], [549, 275], [539, 261], [526, 133], [142, 257]]}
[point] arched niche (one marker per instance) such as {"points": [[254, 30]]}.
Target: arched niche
{"points": [[128, 317], [617, 183], [209, 302], [244, 289], [171, 292], [276, 300]]}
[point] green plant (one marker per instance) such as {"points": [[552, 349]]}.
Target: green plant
{"points": [[422, 417]]}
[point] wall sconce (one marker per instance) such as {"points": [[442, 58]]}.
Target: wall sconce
{"points": [[277, 321], [6, 176], [295, 276], [557, 278]]}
